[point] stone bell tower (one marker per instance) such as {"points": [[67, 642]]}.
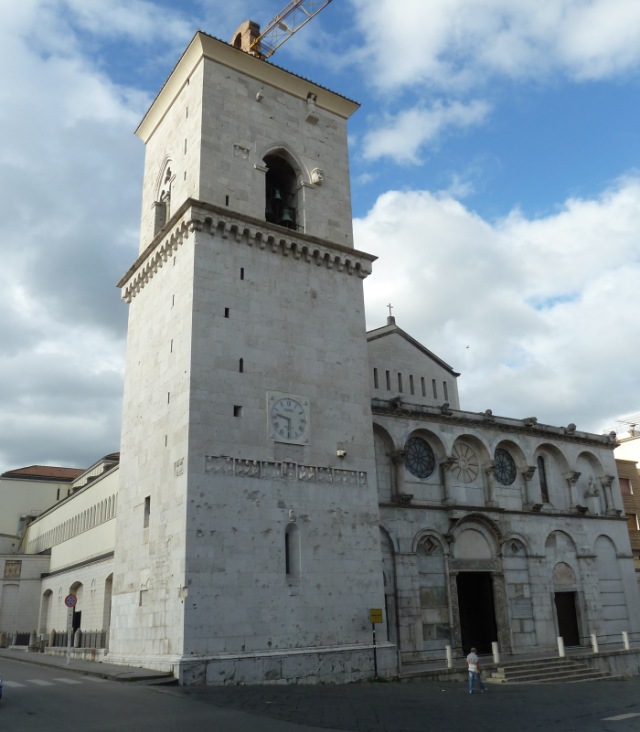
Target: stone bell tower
{"points": [[248, 541]]}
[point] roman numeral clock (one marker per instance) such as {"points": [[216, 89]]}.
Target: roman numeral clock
{"points": [[289, 418]]}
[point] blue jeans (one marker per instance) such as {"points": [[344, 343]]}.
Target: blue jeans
{"points": [[474, 677]]}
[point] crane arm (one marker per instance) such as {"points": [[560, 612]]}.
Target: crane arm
{"points": [[287, 22]]}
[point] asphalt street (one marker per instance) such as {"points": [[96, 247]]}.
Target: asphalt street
{"points": [[94, 697]]}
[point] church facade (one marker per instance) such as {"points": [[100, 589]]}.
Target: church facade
{"points": [[492, 529], [283, 474]]}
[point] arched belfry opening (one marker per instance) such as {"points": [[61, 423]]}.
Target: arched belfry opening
{"points": [[281, 195]]}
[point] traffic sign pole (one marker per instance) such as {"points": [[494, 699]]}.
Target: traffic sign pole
{"points": [[375, 616], [70, 601]]}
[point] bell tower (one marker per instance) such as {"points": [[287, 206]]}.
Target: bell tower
{"points": [[248, 540]]}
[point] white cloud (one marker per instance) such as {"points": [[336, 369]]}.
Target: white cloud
{"points": [[458, 43], [546, 306], [402, 136]]}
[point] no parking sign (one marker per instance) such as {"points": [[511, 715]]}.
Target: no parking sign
{"points": [[70, 601]]}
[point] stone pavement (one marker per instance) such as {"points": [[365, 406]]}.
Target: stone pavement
{"points": [[88, 668], [435, 706], [413, 706]]}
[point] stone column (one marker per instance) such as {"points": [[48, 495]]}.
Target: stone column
{"points": [[445, 470], [529, 498], [454, 609], [398, 459], [572, 479], [502, 611], [606, 482]]}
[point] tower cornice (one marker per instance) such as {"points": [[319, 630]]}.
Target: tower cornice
{"points": [[204, 46], [237, 228]]}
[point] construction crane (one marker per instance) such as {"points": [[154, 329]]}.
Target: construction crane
{"points": [[287, 22]]}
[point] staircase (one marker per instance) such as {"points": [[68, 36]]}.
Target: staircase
{"points": [[545, 670]]}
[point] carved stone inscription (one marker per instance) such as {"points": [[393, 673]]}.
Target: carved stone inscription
{"points": [[284, 470], [12, 569]]}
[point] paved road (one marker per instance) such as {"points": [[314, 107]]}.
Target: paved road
{"points": [[53, 699], [440, 707], [43, 699]]}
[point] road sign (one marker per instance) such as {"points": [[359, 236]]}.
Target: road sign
{"points": [[70, 600], [375, 615]]}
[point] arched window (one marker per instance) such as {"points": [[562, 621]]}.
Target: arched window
{"points": [[281, 195], [542, 473]]}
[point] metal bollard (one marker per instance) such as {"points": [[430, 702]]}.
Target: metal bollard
{"points": [[561, 652], [625, 640], [496, 652], [594, 642], [449, 651]]}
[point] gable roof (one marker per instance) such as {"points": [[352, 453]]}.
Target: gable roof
{"points": [[44, 472], [391, 328]]}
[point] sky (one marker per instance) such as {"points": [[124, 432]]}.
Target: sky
{"points": [[495, 164]]}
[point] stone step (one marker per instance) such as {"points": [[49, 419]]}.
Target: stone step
{"points": [[539, 671], [558, 664]]}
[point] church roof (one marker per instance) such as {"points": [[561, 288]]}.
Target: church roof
{"points": [[391, 328], [44, 472]]}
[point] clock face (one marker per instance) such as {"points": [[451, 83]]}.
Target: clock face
{"points": [[289, 421]]}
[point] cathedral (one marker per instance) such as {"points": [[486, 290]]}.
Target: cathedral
{"points": [[288, 483]]}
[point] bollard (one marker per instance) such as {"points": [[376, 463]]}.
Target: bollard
{"points": [[625, 640], [561, 652], [594, 642], [449, 651], [496, 652]]}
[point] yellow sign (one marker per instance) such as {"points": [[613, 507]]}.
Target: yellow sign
{"points": [[375, 614]]}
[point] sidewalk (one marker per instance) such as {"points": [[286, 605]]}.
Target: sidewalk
{"points": [[88, 668]]}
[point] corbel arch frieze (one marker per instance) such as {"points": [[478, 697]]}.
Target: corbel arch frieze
{"points": [[251, 235]]}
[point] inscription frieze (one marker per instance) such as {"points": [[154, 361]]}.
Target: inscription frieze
{"points": [[284, 470]]}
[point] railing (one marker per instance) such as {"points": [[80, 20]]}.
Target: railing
{"points": [[92, 639], [623, 641], [79, 639]]}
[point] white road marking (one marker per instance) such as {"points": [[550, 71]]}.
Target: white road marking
{"points": [[68, 681], [13, 684], [40, 682], [621, 717]]}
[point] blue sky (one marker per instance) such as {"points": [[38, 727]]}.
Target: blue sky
{"points": [[495, 173]]}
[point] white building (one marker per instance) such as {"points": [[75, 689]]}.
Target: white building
{"points": [[282, 473]]}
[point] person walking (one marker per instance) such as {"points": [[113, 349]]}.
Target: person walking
{"points": [[473, 666]]}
